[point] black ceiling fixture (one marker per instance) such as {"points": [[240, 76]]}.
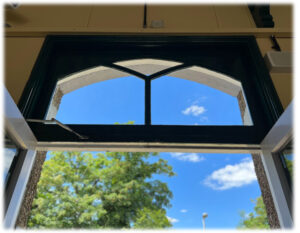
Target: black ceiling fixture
{"points": [[145, 16], [275, 46], [262, 16]]}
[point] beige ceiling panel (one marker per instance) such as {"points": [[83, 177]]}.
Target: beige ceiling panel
{"points": [[20, 56], [282, 15], [284, 86], [286, 44], [264, 44], [234, 16], [117, 16], [49, 16], [193, 17]]}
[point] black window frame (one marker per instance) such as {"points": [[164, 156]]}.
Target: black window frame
{"points": [[236, 56]]}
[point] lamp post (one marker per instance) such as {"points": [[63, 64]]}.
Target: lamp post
{"points": [[204, 215]]}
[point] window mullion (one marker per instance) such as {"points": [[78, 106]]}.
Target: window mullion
{"points": [[147, 102]]}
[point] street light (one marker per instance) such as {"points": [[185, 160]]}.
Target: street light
{"points": [[204, 215]]}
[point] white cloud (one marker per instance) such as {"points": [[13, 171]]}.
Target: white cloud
{"points": [[232, 176], [183, 211], [194, 110], [192, 157], [172, 220]]}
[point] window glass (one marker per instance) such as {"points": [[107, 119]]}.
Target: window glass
{"points": [[10, 152], [176, 101], [113, 101], [287, 156]]}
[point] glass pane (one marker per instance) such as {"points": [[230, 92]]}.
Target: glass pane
{"points": [[112, 101], [146, 190], [176, 101], [287, 155], [10, 152]]}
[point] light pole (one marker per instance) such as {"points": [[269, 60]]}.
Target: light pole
{"points": [[204, 215]]}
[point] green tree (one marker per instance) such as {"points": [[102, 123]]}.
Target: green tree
{"points": [[256, 220], [149, 218], [106, 190], [289, 164]]}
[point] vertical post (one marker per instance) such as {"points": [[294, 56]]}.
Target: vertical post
{"points": [[204, 215], [276, 187], [147, 102]]}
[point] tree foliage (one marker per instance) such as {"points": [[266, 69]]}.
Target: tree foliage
{"points": [[289, 164], [257, 219], [104, 190], [149, 218]]}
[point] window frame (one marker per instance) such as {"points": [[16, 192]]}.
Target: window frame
{"points": [[20, 133], [272, 145], [236, 56]]}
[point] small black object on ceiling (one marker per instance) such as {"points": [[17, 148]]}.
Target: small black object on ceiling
{"points": [[261, 15]]}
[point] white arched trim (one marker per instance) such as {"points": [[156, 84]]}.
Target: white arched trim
{"points": [[197, 74], [87, 77], [147, 66], [210, 78]]}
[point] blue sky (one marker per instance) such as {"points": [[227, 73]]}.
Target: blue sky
{"points": [[174, 101], [219, 184]]}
